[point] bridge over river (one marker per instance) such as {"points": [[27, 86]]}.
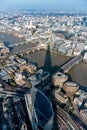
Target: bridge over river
{"points": [[31, 49], [72, 62]]}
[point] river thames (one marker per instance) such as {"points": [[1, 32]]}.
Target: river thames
{"points": [[50, 61]]}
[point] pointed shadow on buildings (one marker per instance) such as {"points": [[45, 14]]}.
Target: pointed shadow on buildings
{"points": [[48, 62]]}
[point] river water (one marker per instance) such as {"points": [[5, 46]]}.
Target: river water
{"points": [[52, 61], [79, 74], [48, 61]]}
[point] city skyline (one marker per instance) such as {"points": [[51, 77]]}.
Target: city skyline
{"points": [[38, 4]]}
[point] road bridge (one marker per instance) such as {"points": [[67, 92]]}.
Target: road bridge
{"points": [[71, 63], [32, 49]]}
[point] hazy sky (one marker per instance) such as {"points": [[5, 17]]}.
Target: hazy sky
{"points": [[44, 4]]}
